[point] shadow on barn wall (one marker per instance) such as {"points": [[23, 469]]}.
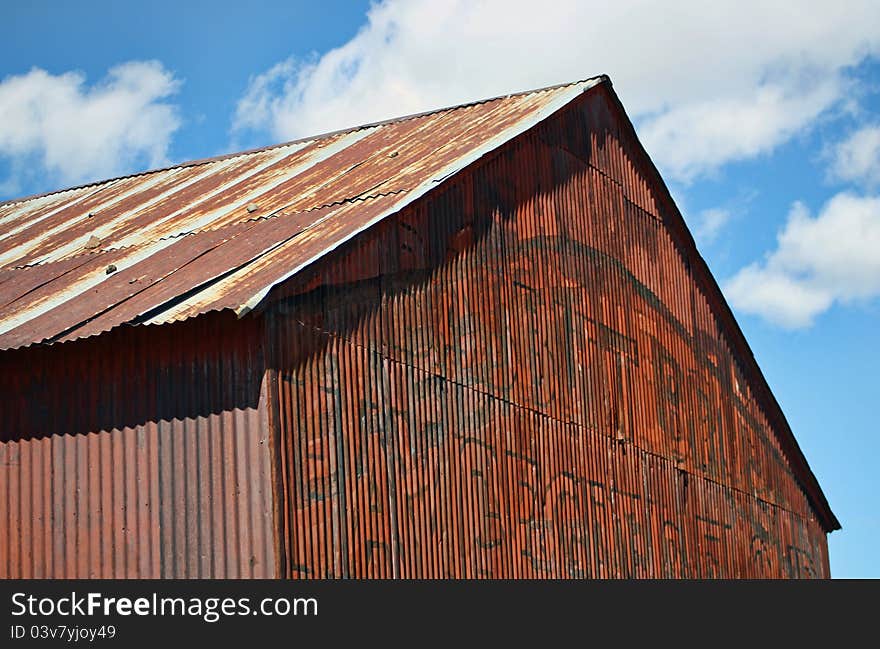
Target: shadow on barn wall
{"points": [[520, 376], [139, 453]]}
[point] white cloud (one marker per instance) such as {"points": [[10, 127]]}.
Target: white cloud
{"points": [[76, 133], [710, 223], [832, 257], [697, 138], [707, 86], [857, 159]]}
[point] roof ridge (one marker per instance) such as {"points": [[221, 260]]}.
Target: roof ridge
{"points": [[311, 138]]}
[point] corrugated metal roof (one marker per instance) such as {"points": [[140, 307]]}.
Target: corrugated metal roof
{"points": [[177, 242]]}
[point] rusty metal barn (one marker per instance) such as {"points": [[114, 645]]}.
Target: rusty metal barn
{"points": [[475, 342]]}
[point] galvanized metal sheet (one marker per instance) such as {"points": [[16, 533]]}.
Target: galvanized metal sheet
{"points": [[137, 223]]}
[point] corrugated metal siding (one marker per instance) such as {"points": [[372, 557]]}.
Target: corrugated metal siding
{"points": [[142, 454], [522, 376]]}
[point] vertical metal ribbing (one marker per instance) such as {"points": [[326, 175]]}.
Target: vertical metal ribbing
{"points": [[102, 488], [531, 351]]}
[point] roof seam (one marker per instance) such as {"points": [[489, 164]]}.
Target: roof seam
{"points": [[179, 235], [159, 308]]}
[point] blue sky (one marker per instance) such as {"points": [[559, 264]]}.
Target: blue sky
{"points": [[764, 121]]}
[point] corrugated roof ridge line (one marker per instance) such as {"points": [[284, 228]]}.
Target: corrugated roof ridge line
{"points": [[38, 264], [107, 227], [310, 138]]}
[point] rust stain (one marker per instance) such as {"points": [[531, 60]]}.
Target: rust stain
{"points": [[141, 220], [172, 481]]}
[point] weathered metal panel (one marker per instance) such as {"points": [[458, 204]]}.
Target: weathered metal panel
{"points": [[522, 376], [141, 454], [141, 231]]}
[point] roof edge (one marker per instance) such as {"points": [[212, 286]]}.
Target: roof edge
{"points": [[576, 89], [803, 472], [320, 136], [562, 95]]}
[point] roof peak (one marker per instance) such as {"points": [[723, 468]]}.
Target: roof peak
{"points": [[139, 219], [601, 78]]}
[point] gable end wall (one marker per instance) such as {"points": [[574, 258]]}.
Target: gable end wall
{"points": [[520, 376]]}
